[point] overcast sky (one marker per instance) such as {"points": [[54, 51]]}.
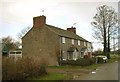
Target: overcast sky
{"points": [[16, 15]]}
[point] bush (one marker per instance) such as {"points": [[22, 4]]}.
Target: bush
{"points": [[100, 60], [92, 61], [22, 68], [86, 56], [79, 62], [83, 62]]}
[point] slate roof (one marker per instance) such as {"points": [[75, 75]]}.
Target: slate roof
{"points": [[64, 33]]}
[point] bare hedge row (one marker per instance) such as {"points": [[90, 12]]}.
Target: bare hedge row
{"points": [[22, 68]]}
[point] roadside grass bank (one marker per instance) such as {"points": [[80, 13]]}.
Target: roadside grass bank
{"points": [[51, 76], [90, 67], [54, 76], [114, 57]]}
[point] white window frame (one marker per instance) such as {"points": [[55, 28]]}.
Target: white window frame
{"points": [[72, 41], [63, 55], [84, 43], [63, 39], [79, 42], [88, 45]]}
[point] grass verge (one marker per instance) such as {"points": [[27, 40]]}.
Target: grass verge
{"points": [[92, 67], [113, 58], [52, 76]]}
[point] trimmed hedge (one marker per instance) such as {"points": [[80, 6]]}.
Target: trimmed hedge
{"points": [[79, 62]]}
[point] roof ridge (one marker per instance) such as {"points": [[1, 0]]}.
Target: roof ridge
{"points": [[56, 27], [66, 33], [61, 29]]}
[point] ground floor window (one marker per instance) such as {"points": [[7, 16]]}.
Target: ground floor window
{"points": [[82, 54], [64, 56]]}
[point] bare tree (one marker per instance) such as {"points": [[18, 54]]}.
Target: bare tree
{"points": [[11, 43], [23, 32], [105, 23]]}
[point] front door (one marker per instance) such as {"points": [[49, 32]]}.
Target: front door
{"points": [[70, 55], [73, 55]]}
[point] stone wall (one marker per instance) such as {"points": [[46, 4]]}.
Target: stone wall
{"points": [[43, 44]]}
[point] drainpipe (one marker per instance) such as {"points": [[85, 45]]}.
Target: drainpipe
{"points": [[60, 50]]}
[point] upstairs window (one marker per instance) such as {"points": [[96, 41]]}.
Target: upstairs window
{"points": [[63, 39], [88, 45], [72, 41], [79, 42], [84, 43]]}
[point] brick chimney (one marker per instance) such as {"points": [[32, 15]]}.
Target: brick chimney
{"points": [[72, 29], [39, 21]]}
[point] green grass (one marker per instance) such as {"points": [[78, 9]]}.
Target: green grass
{"points": [[53, 76], [59, 67], [113, 58], [92, 67], [50, 76]]}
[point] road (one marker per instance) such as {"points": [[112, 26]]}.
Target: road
{"points": [[108, 71]]}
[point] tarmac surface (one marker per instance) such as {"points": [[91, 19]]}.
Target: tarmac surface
{"points": [[108, 71]]}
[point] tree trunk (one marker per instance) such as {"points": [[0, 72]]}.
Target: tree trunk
{"points": [[108, 51], [108, 43], [105, 41], [108, 39]]}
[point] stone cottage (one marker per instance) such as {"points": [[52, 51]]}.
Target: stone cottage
{"points": [[53, 44]]}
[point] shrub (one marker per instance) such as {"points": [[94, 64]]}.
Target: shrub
{"points": [[100, 60], [86, 56], [92, 60], [22, 68], [83, 62], [79, 62]]}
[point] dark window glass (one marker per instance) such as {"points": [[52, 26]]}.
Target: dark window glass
{"points": [[12, 52], [18, 52]]}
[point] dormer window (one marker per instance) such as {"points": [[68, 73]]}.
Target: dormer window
{"points": [[72, 41], [63, 39], [79, 42]]}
